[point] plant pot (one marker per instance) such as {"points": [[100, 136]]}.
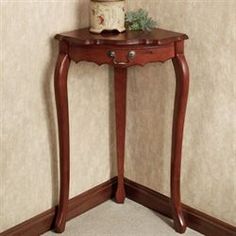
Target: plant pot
{"points": [[107, 15]]}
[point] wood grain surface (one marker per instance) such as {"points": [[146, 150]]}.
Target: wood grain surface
{"points": [[154, 37]]}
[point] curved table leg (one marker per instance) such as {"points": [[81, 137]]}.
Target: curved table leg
{"points": [[120, 81], [60, 84], [181, 96]]}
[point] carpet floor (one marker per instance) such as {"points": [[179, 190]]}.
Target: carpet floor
{"points": [[129, 219]]}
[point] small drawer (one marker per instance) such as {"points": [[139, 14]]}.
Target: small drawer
{"points": [[137, 56], [122, 57]]}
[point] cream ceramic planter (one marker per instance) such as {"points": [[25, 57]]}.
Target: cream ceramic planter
{"points": [[107, 15]]}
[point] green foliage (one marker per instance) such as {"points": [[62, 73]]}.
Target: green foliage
{"points": [[139, 20]]}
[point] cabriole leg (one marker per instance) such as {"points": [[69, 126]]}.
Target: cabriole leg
{"points": [[60, 85], [181, 96]]}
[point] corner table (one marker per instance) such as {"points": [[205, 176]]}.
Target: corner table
{"points": [[121, 51]]}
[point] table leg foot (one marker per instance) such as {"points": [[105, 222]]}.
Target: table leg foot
{"points": [[179, 223], [120, 194], [60, 225]]}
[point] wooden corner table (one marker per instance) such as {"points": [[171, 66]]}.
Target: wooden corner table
{"points": [[121, 51]]}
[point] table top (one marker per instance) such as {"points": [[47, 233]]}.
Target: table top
{"points": [[153, 37]]}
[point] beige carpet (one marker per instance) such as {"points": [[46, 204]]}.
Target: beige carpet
{"points": [[129, 219]]}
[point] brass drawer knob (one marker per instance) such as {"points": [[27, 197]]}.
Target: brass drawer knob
{"points": [[131, 55]]}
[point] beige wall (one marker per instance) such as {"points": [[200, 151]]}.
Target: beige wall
{"points": [[29, 179], [28, 163], [209, 154]]}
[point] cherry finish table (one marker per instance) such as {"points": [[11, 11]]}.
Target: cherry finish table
{"points": [[121, 51]]}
